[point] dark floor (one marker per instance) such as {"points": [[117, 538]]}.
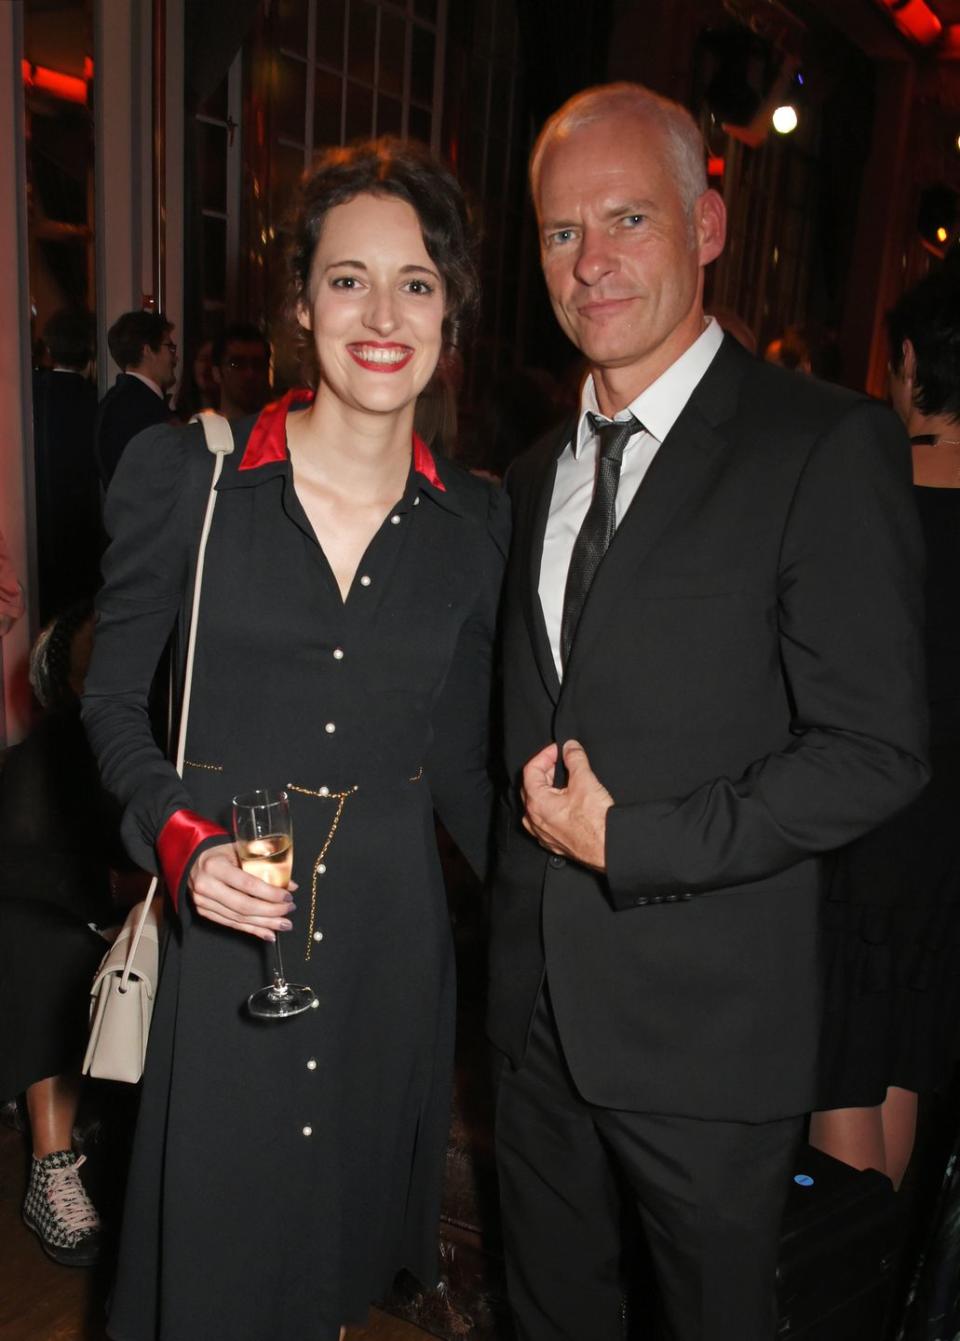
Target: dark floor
{"points": [[40, 1301]]}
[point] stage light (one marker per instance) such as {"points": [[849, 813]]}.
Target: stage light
{"points": [[785, 119], [942, 234]]}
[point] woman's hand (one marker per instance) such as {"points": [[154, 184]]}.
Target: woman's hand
{"points": [[223, 892]]}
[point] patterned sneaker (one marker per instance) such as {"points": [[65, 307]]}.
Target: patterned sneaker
{"points": [[59, 1211]]}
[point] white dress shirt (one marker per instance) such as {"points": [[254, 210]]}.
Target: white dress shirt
{"points": [[657, 409]]}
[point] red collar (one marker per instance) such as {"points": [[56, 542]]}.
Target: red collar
{"points": [[268, 439]]}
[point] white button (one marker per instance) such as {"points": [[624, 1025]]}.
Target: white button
{"points": [[416, 502], [318, 935], [314, 1004], [308, 1131], [312, 1064], [365, 581], [324, 791], [338, 654], [330, 727], [395, 521], [321, 869]]}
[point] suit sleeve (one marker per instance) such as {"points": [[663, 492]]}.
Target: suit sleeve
{"points": [[153, 516], [458, 766], [850, 615]]}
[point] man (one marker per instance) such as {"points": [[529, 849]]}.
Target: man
{"points": [[736, 684], [142, 347], [68, 491], [241, 369]]}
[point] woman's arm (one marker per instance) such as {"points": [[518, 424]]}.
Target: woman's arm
{"points": [[153, 516]]}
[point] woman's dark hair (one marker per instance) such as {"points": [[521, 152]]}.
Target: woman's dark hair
{"points": [[928, 315], [406, 171], [51, 658]]}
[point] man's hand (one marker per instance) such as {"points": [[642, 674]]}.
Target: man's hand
{"points": [[569, 821], [223, 892]]}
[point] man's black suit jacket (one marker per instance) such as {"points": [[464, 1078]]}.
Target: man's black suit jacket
{"points": [[127, 408], [747, 681]]}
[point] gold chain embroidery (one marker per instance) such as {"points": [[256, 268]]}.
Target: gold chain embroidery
{"points": [[210, 768], [322, 794]]}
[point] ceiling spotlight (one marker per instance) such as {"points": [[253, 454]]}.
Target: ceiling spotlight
{"points": [[942, 234], [785, 119]]}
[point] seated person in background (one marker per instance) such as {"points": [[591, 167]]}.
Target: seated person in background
{"points": [[241, 369], [58, 833], [68, 490], [141, 345]]}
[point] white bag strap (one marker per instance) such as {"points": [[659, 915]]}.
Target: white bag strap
{"points": [[219, 439]]}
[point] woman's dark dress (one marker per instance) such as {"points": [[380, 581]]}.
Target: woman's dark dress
{"points": [[283, 1172], [892, 914]]}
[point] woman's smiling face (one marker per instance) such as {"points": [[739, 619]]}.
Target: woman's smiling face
{"points": [[375, 305]]}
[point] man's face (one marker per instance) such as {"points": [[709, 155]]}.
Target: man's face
{"points": [[161, 364], [243, 375], [622, 258]]}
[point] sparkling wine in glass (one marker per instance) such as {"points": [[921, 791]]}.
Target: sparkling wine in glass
{"points": [[264, 835]]}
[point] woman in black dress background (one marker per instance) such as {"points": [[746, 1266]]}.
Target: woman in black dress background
{"points": [[892, 915], [283, 1172]]}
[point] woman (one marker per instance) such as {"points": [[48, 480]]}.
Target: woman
{"points": [[892, 1027], [58, 834], [283, 1172]]}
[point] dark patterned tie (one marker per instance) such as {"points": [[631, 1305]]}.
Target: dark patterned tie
{"points": [[598, 525]]}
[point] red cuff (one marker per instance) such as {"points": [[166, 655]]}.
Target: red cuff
{"points": [[179, 838]]}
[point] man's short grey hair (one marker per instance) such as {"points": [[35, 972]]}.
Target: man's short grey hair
{"points": [[681, 134]]}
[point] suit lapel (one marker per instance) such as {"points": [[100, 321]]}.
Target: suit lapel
{"points": [[539, 492], [683, 464]]}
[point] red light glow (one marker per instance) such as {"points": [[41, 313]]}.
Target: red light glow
{"points": [[915, 19], [67, 87], [716, 164]]}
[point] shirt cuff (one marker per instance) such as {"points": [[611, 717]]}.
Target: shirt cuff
{"points": [[177, 844]]}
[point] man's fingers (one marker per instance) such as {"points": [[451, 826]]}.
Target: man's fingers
{"points": [[575, 756]]}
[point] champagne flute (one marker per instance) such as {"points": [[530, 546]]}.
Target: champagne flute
{"points": [[264, 835]]}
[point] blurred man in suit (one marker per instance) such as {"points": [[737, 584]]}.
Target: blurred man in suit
{"points": [[712, 609], [240, 361], [142, 347]]}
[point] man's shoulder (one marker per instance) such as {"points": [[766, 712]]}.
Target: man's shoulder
{"points": [[531, 464]]}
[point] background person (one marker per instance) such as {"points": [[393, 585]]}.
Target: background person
{"points": [[142, 346], [240, 366], [892, 915]]}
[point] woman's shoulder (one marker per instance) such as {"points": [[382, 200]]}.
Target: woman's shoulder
{"points": [[161, 471]]}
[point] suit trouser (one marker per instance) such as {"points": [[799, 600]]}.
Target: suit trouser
{"points": [[709, 1194]]}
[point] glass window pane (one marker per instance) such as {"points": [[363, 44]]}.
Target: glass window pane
{"points": [[328, 92], [419, 123], [498, 125], [426, 9], [214, 259], [212, 164], [292, 25], [359, 112], [330, 33], [363, 41], [216, 104], [290, 99], [286, 169], [505, 33], [393, 33], [389, 116], [421, 66]]}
